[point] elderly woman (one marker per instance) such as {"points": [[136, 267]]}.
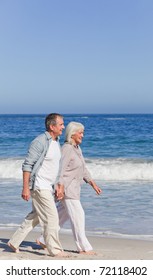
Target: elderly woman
{"points": [[72, 171]]}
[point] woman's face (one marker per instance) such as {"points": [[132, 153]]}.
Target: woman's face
{"points": [[77, 137]]}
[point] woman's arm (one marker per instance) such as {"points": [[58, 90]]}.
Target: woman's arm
{"points": [[95, 187]]}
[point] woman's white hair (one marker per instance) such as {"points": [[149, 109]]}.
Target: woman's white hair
{"points": [[71, 129]]}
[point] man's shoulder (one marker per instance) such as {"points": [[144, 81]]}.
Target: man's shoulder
{"points": [[40, 138]]}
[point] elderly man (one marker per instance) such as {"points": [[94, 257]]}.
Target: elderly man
{"points": [[40, 170]]}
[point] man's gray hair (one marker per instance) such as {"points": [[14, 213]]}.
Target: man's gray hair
{"points": [[71, 129], [51, 120]]}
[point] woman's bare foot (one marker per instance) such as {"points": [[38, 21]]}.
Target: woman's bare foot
{"points": [[41, 244], [15, 250], [62, 254], [87, 252]]}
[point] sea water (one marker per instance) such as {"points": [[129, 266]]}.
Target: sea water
{"points": [[118, 151]]}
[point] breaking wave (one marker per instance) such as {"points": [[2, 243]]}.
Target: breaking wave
{"points": [[112, 169]]}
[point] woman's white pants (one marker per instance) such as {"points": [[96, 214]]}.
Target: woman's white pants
{"points": [[71, 209]]}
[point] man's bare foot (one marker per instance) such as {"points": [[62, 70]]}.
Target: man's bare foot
{"points": [[41, 244], [15, 250], [87, 252], [62, 254]]}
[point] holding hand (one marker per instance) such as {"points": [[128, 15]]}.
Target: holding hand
{"points": [[59, 192]]}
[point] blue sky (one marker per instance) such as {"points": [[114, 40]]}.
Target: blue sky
{"points": [[76, 56]]}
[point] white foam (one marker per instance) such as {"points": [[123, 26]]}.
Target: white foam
{"points": [[120, 169], [68, 231], [111, 169], [11, 168]]}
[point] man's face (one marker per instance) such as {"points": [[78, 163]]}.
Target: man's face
{"points": [[57, 129]]}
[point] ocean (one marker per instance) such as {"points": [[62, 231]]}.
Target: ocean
{"points": [[118, 151]]}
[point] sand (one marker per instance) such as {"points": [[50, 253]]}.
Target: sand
{"points": [[106, 248]]}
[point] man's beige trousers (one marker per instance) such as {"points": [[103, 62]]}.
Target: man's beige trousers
{"points": [[44, 212]]}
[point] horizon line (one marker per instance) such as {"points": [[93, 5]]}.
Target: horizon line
{"points": [[77, 113]]}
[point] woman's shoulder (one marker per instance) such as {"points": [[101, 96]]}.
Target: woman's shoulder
{"points": [[67, 147]]}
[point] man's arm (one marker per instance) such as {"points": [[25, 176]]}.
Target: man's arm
{"points": [[26, 190]]}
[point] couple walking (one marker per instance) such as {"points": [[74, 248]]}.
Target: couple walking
{"points": [[49, 171]]}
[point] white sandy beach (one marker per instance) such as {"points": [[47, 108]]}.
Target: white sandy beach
{"points": [[105, 248]]}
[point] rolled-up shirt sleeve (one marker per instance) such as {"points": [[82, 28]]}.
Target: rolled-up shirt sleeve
{"points": [[34, 153], [86, 174]]}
